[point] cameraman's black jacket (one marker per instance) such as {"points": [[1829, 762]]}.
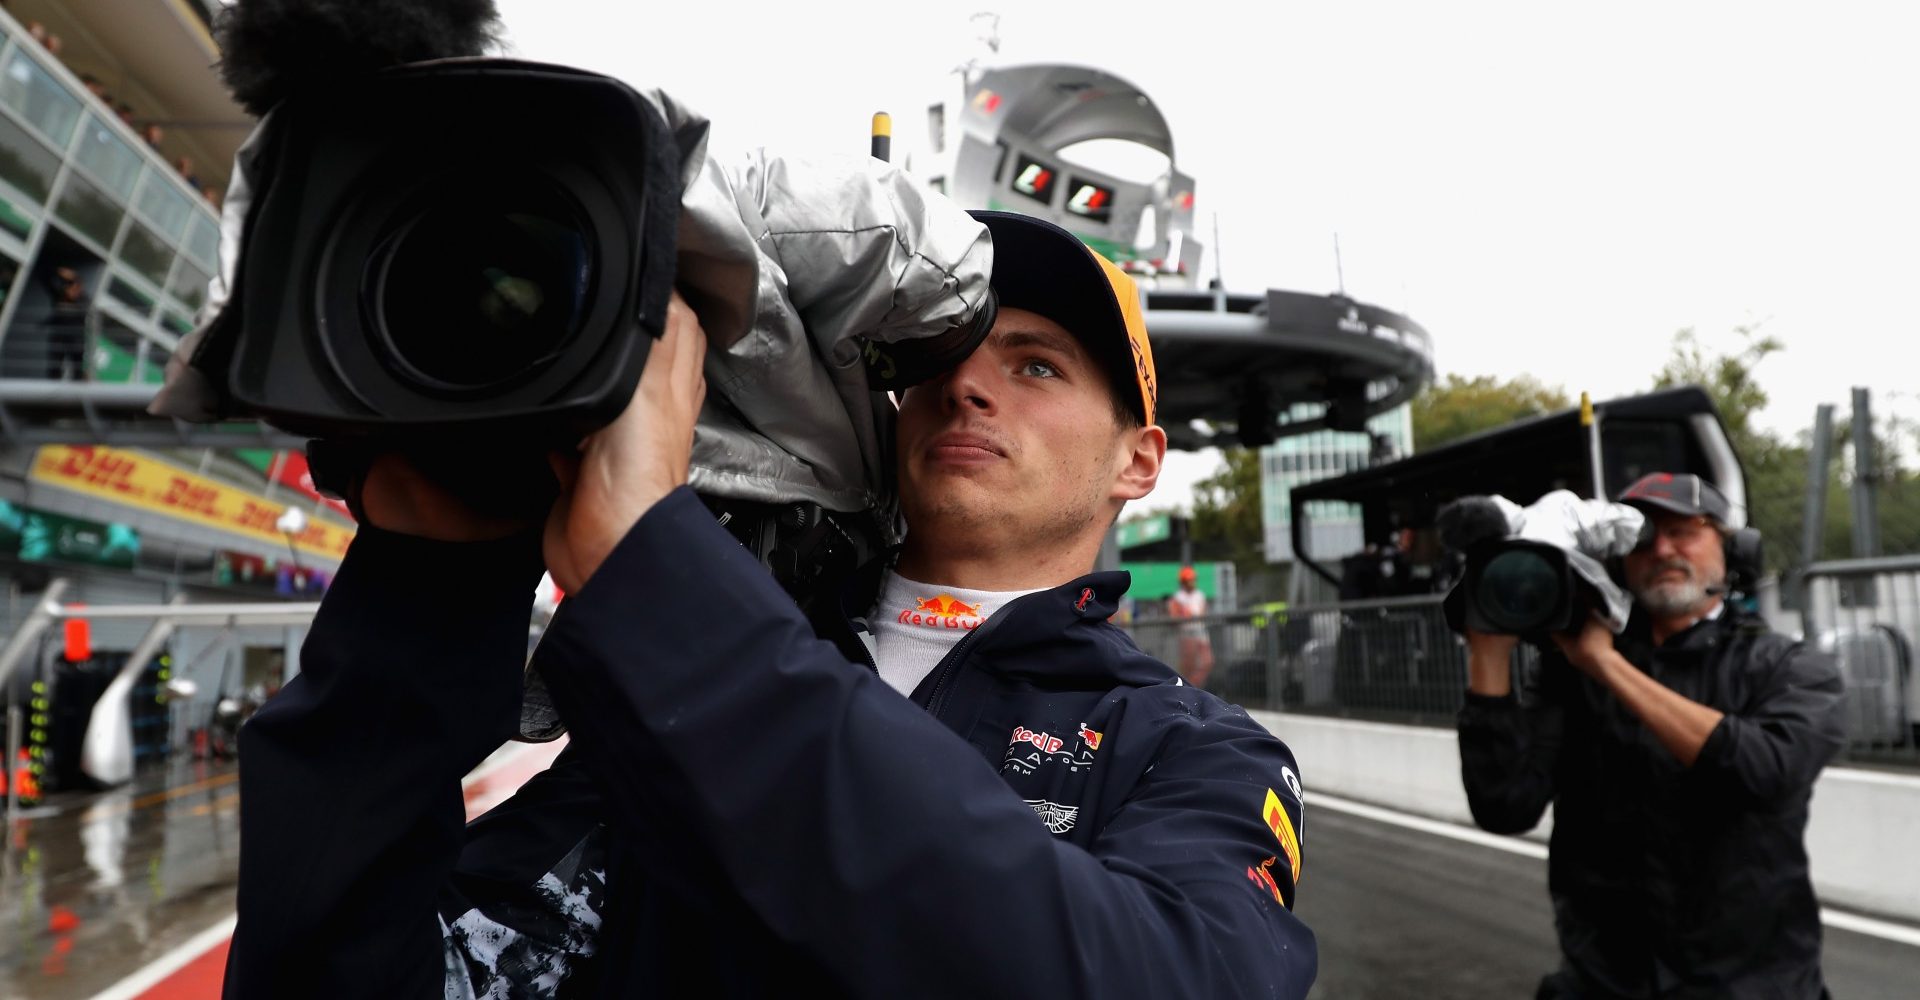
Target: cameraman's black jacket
{"points": [[742, 811], [1670, 881]]}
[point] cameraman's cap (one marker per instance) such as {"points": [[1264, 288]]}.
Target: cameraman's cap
{"points": [[1042, 268], [1681, 493]]}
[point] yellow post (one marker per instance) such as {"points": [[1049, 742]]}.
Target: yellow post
{"points": [[882, 136]]}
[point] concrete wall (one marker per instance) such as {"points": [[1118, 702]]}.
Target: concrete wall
{"points": [[1863, 837]]}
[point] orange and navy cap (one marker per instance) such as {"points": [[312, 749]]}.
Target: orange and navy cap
{"points": [[1042, 268]]}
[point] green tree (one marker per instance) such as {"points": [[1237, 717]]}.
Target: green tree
{"points": [[1777, 467], [1729, 379], [1776, 470], [1226, 512], [1458, 406]]}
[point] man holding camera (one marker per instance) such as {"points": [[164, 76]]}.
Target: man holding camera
{"points": [[956, 779], [1680, 758]]}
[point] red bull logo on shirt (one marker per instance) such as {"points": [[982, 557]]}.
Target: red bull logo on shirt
{"points": [[944, 611]]}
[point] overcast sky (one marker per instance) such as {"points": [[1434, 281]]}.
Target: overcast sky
{"points": [[1549, 191]]}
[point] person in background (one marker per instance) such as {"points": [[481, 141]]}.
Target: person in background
{"points": [[66, 325], [1196, 649]]}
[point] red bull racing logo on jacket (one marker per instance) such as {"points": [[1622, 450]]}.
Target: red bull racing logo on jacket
{"points": [[1028, 750], [1262, 876], [944, 611]]}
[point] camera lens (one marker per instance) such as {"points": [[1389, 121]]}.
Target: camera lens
{"points": [[477, 288], [1518, 591]]}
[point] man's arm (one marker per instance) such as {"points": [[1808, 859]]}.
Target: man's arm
{"points": [[1681, 724], [1793, 727], [1507, 753], [860, 827], [351, 810]]}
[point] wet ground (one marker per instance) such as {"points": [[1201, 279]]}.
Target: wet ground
{"points": [[1404, 913], [94, 886]]}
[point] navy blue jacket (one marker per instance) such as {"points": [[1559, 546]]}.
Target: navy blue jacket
{"points": [[1052, 813]]}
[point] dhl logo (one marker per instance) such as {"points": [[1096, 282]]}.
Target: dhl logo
{"points": [[946, 604], [1282, 827]]}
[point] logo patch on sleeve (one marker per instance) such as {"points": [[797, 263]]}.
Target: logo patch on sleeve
{"points": [[1262, 876], [1276, 816]]}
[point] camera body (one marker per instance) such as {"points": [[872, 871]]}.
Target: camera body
{"points": [[1513, 586], [466, 251], [1531, 583]]}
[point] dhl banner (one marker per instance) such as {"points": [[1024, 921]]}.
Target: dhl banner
{"points": [[146, 482]]}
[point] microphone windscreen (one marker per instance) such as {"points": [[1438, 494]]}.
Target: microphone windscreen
{"points": [[1468, 521], [274, 49]]}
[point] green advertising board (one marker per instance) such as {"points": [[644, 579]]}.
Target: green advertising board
{"points": [[1144, 532], [1155, 580], [13, 521], [46, 537]]}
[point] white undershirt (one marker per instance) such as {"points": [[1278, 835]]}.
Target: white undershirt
{"points": [[916, 624]]}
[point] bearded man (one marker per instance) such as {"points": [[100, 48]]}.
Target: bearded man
{"points": [[1680, 758]]}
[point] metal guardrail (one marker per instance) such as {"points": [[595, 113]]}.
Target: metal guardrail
{"points": [[1395, 659], [1866, 612], [1392, 659]]}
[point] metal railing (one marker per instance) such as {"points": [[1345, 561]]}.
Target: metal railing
{"points": [[1392, 659], [1866, 612], [1395, 659]]}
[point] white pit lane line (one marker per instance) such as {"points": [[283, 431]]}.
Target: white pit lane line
{"points": [[1870, 926]]}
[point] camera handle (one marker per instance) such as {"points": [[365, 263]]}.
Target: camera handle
{"points": [[804, 545]]}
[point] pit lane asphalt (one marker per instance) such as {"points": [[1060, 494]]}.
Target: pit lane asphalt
{"points": [[95, 886], [1398, 912], [1405, 913]]}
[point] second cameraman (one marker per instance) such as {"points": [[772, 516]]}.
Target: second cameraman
{"points": [[1680, 758]]}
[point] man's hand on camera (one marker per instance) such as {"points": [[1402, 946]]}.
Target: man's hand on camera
{"points": [[1491, 645], [1489, 663], [626, 467], [1590, 649]]}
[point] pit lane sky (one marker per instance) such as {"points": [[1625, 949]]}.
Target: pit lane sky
{"points": [[1550, 190]]}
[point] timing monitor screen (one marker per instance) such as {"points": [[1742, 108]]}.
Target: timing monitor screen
{"points": [[1089, 200], [1034, 179]]}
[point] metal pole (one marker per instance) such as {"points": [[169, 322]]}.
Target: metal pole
{"points": [[882, 139], [106, 746], [258, 613], [35, 623], [13, 755], [1819, 457], [1866, 507], [1590, 419]]}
